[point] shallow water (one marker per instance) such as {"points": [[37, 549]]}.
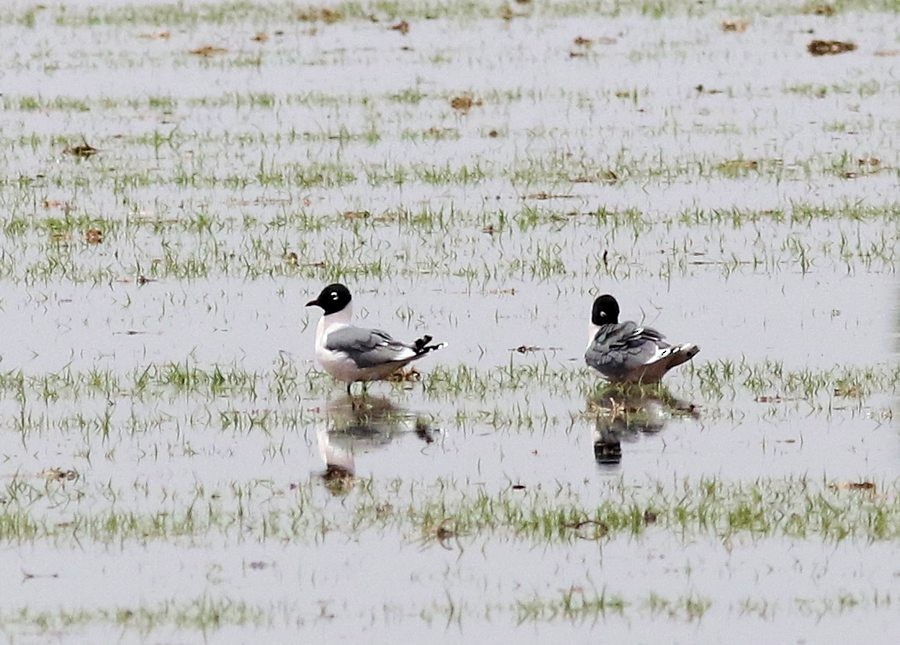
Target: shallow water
{"points": [[211, 481]]}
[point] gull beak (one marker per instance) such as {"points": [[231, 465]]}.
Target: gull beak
{"points": [[313, 303]]}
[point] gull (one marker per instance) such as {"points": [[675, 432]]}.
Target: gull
{"points": [[626, 352], [352, 354]]}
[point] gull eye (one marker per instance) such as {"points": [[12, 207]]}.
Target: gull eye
{"points": [[334, 295]]}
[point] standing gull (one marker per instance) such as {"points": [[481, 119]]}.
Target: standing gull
{"points": [[626, 352], [352, 354]]}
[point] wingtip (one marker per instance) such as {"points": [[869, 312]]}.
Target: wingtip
{"points": [[422, 347], [435, 347]]}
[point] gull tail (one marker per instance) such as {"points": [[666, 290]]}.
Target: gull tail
{"points": [[681, 354], [421, 346], [665, 360]]}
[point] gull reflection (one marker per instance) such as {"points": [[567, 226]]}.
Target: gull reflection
{"points": [[625, 412], [357, 426]]}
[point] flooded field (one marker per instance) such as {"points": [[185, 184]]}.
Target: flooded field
{"points": [[180, 179]]}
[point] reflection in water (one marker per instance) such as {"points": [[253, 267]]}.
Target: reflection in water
{"points": [[624, 412], [357, 424], [607, 447]]}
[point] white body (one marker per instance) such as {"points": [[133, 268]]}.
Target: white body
{"points": [[592, 333], [334, 456]]}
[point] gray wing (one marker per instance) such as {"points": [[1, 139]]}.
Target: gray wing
{"points": [[619, 349], [368, 347]]}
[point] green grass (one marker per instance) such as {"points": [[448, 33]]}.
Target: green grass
{"points": [[51, 244], [329, 14], [577, 605], [723, 379], [437, 513], [205, 613], [202, 197]]}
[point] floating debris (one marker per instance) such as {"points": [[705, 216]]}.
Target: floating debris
{"points": [[66, 207], [93, 236], [544, 195], [870, 486], [402, 27], [819, 9], [582, 45], [84, 151], [60, 474], [829, 47], [464, 102], [208, 51], [157, 35], [32, 576], [260, 37], [441, 532], [524, 349], [737, 26], [319, 14]]}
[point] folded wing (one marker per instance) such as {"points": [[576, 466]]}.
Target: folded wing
{"points": [[619, 350], [369, 347]]}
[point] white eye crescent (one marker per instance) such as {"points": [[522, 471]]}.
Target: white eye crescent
{"points": [[334, 296]]}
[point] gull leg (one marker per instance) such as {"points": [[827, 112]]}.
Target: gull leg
{"points": [[353, 402]]}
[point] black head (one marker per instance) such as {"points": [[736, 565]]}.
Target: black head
{"points": [[605, 311], [333, 298]]}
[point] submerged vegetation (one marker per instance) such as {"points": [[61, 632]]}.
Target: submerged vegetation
{"points": [[238, 12], [442, 511], [172, 463], [722, 380]]}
